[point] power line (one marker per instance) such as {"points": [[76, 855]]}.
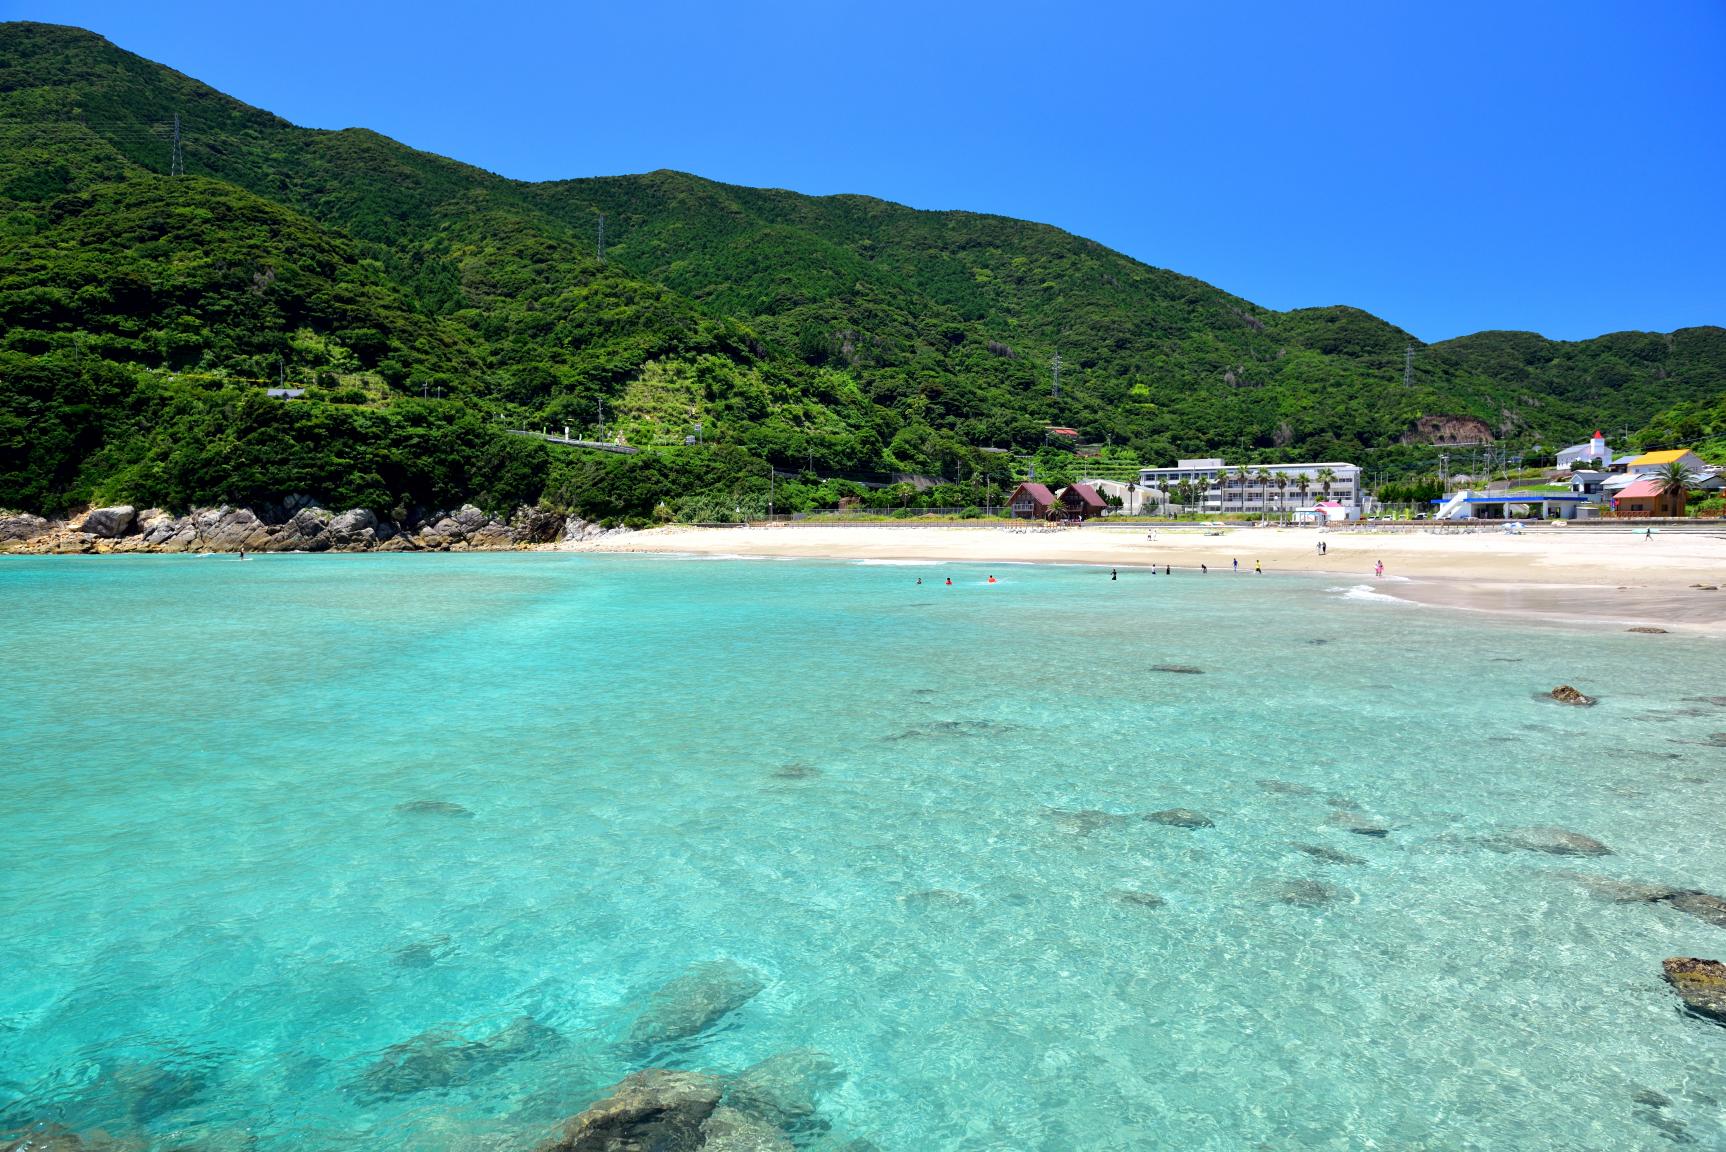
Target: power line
{"points": [[1055, 376], [1408, 366], [177, 165]]}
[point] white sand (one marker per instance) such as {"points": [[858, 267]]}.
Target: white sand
{"points": [[1547, 571]]}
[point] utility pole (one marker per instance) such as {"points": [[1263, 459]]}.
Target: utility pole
{"points": [[602, 418], [1444, 472], [1408, 366], [1055, 375], [772, 479], [601, 248], [177, 161]]}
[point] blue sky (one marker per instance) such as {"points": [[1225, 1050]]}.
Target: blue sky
{"points": [[1450, 167]]}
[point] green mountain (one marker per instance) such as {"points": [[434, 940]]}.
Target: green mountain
{"points": [[426, 305]]}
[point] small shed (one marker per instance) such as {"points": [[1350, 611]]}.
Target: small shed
{"points": [[1030, 501], [1081, 501]]}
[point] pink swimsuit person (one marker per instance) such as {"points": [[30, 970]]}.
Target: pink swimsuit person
{"points": [[1378, 569]]}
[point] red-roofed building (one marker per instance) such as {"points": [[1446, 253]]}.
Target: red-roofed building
{"points": [[1030, 501], [1644, 498], [1081, 501]]}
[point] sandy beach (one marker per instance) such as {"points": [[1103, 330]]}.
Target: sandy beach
{"points": [[1553, 573]]}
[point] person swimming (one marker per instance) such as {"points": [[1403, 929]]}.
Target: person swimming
{"points": [[949, 580], [919, 579], [1111, 573], [1167, 571], [991, 579], [1205, 568]]}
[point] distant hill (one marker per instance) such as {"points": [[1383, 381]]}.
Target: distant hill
{"points": [[836, 335]]}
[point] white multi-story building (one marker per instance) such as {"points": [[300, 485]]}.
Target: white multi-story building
{"points": [[1267, 488]]}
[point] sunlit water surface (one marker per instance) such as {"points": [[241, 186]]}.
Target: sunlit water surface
{"points": [[878, 798]]}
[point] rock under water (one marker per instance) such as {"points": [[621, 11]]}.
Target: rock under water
{"points": [[1552, 841], [1565, 694], [654, 1110], [1328, 855], [440, 1059], [694, 1002], [1083, 821], [1700, 984], [1181, 818], [782, 1089], [1304, 893], [1286, 788], [1358, 824], [433, 808], [1179, 669], [1134, 899]]}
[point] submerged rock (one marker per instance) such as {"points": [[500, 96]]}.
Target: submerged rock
{"points": [[1565, 694], [1328, 855], [1358, 824], [782, 1089], [695, 1001], [1286, 788], [1709, 909], [935, 898], [1138, 899], [433, 808], [1553, 841], [729, 1130], [1648, 630], [796, 770], [1181, 818], [1620, 891], [1304, 893], [1701, 984], [1180, 669], [654, 1110], [439, 1059], [1083, 821], [421, 953]]}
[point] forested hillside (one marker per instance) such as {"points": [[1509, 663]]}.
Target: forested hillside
{"points": [[426, 306]]}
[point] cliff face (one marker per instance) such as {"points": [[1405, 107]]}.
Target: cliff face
{"points": [[1449, 430]]}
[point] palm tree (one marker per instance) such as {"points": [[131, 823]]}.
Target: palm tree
{"points": [[1241, 474], [1282, 492], [1325, 477], [1304, 483], [1673, 481]]}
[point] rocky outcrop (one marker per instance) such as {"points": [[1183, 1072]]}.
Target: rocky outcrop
{"points": [[654, 1110], [1701, 984], [441, 1060], [1565, 694], [694, 1002], [21, 526], [297, 524], [107, 523]]}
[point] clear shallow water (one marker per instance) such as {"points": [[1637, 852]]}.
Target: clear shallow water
{"points": [[216, 918]]}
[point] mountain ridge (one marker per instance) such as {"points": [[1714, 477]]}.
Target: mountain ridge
{"points": [[845, 333]]}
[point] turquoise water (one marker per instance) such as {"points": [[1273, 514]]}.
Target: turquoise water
{"points": [[879, 801]]}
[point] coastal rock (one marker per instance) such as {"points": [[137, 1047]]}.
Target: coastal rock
{"points": [[21, 526], [1700, 984], [1181, 818], [228, 529], [782, 1089], [530, 525], [1565, 694], [1358, 824], [108, 523], [694, 1002], [355, 528], [729, 1130], [438, 1059], [1329, 855], [304, 531], [654, 1110], [1553, 841]]}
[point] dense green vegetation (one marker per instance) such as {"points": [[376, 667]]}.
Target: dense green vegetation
{"points": [[427, 306]]}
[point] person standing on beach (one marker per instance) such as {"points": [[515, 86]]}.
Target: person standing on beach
{"points": [[1237, 567], [1258, 569], [1378, 569], [1205, 568]]}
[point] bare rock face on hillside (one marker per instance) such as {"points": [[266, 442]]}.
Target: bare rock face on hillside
{"points": [[1448, 430], [1701, 984]]}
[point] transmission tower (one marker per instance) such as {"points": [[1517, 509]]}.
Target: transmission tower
{"points": [[1408, 366], [601, 247], [1055, 376], [177, 162]]}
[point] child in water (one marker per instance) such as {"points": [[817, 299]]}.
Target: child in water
{"points": [[991, 579]]}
